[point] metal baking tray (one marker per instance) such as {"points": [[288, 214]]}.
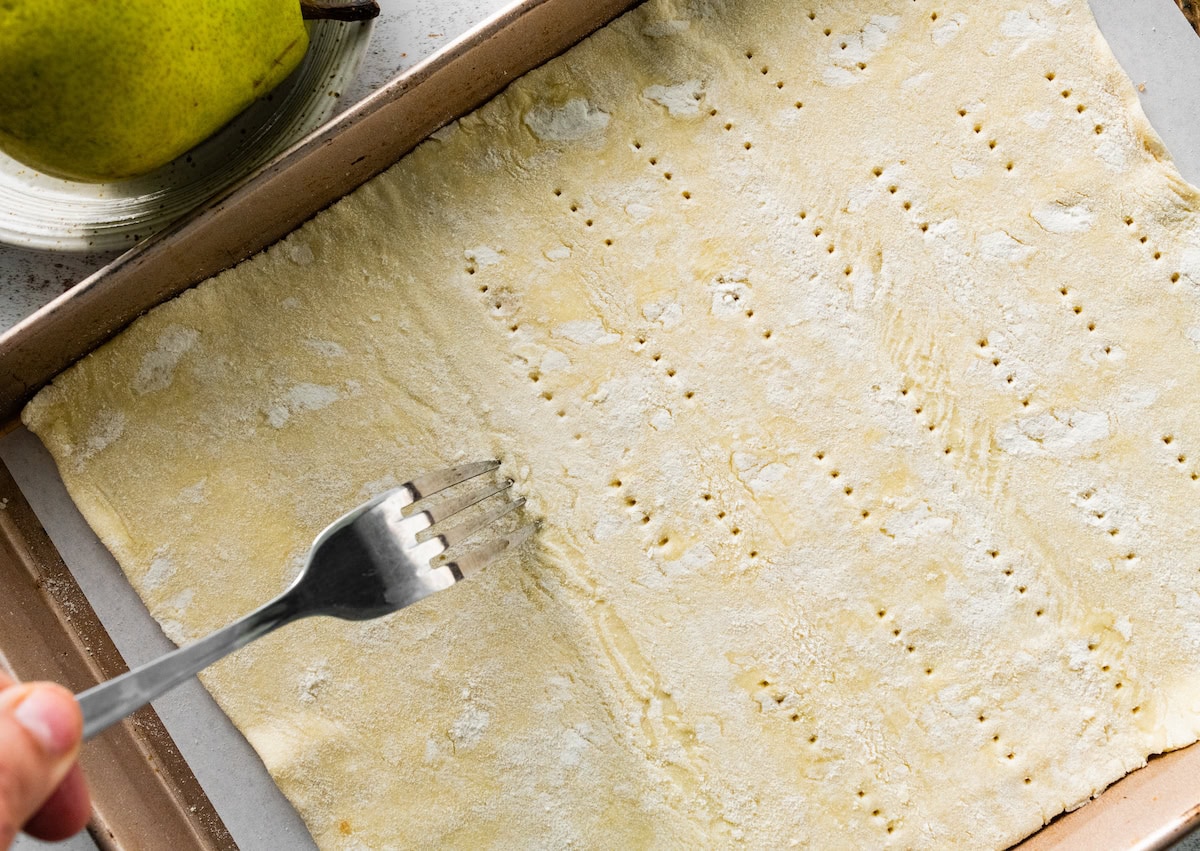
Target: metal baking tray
{"points": [[66, 611]]}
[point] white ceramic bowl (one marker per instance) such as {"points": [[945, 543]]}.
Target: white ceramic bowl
{"points": [[42, 212]]}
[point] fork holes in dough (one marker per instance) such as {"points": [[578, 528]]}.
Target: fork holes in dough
{"points": [[1080, 109], [1050, 75], [747, 145]]}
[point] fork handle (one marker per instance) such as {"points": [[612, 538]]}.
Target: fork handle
{"points": [[109, 702]]}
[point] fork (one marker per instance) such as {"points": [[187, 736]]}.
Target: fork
{"points": [[378, 558]]}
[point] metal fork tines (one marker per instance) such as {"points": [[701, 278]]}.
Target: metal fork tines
{"points": [[386, 554]]}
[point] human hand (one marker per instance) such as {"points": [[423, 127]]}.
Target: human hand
{"points": [[42, 790]]}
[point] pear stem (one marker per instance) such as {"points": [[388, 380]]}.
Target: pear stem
{"points": [[339, 10]]}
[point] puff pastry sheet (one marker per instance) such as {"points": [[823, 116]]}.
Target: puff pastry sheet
{"points": [[848, 352]]}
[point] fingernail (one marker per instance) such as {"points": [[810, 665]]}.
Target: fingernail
{"points": [[49, 719]]}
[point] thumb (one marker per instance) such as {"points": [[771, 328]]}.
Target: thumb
{"points": [[40, 730]]}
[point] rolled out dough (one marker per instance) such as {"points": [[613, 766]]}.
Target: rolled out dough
{"points": [[849, 353]]}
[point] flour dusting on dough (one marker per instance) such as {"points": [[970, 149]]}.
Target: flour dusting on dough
{"points": [[681, 99], [576, 119], [158, 365], [301, 397], [1060, 218]]}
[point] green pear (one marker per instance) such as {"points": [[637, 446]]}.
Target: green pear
{"points": [[108, 89]]}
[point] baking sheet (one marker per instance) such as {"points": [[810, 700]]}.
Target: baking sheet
{"points": [[1157, 48]]}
